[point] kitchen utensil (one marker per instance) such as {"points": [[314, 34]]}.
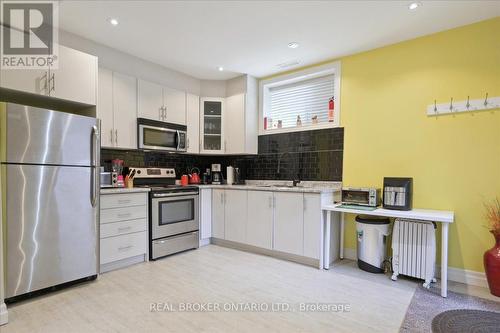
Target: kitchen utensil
{"points": [[117, 166], [194, 176], [184, 180], [237, 176]]}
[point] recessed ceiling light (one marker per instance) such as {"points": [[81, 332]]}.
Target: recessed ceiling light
{"points": [[293, 45], [220, 68], [113, 21], [414, 5]]}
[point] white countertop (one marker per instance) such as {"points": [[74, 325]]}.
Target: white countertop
{"points": [[282, 186], [118, 190], [443, 216]]}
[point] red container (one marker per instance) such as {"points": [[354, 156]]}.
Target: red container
{"points": [[492, 266], [184, 180]]}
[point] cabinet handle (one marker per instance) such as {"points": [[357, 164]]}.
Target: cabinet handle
{"points": [[164, 113], [124, 201], [46, 84], [222, 198], [124, 229], [187, 144], [116, 136], [53, 76], [111, 136], [125, 248], [124, 215], [305, 204]]}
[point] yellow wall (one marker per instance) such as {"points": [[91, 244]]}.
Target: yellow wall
{"points": [[454, 160]]}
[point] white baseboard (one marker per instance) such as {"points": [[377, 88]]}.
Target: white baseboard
{"points": [[350, 254], [204, 242], [464, 276], [4, 317]]}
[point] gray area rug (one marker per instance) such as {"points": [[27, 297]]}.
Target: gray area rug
{"points": [[426, 304], [476, 321]]}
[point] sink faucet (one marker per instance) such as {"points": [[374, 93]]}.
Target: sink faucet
{"points": [[295, 182], [279, 161]]}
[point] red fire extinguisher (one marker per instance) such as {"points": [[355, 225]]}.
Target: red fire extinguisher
{"points": [[331, 107]]}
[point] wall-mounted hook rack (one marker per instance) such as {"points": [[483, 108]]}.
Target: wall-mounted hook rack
{"points": [[469, 105]]}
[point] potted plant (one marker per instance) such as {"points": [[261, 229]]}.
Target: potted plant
{"points": [[492, 256]]}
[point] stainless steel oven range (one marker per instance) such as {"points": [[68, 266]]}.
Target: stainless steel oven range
{"points": [[173, 212]]}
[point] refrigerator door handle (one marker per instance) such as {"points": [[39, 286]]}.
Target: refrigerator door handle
{"points": [[94, 164]]}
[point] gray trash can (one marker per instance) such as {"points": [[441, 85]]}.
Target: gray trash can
{"points": [[372, 232]]}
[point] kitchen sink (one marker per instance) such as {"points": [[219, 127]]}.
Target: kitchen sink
{"points": [[278, 186]]}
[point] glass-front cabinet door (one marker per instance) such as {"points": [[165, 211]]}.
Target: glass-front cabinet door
{"points": [[212, 125]]}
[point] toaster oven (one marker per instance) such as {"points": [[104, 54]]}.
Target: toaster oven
{"points": [[108, 179], [362, 196]]}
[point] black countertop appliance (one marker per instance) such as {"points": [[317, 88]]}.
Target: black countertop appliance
{"points": [[398, 193]]}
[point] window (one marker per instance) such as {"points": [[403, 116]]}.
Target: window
{"points": [[305, 94]]}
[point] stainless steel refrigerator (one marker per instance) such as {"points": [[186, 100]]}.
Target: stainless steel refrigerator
{"points": [[50, 194]]}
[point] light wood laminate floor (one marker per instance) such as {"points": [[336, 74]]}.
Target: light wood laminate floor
{"points": [[119, 301]]}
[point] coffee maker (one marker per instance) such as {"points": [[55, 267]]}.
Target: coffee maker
{"points": [[216, 174]]}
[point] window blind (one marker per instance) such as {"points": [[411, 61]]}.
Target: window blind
{"points": [[306, 99]]}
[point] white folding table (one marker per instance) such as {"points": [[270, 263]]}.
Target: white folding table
{"points": [[443, 217]]}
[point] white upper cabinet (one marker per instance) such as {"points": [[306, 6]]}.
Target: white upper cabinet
{"points": [[174, 103], [235, 128], [124, 107], [212, 125], [105, 106], [117, 109], [32, 81], [75, 78], [241, 116], [150, 100], [161, 103], [193, 123]]}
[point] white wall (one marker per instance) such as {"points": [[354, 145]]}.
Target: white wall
{"points": [[128, 64], [213, 88]]}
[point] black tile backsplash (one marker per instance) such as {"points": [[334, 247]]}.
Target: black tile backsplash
{"points": [[308, 155]]}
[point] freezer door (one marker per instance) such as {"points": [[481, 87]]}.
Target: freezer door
{"points": [[51, 226], [40, 136]]}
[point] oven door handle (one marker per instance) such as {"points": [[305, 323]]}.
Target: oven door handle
{"points": [[164, 195]]}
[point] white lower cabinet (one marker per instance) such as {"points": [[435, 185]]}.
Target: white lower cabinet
{"points": [[312, 225], [288, 222], [260, 219], [205, 213], [235, 215], [123, 230], [218, 213]]}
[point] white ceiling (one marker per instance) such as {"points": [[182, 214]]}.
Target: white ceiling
{"points": [[195, 37]]}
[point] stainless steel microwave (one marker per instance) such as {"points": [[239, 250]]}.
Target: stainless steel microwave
{"points": [[363, 196], [159, 135]]}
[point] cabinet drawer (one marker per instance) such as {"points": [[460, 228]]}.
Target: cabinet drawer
{"points": [[123, 214], [122, 247], [123, 200], [125, 227]]}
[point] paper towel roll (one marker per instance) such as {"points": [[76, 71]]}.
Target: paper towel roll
{"points": [[230, 175]]}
